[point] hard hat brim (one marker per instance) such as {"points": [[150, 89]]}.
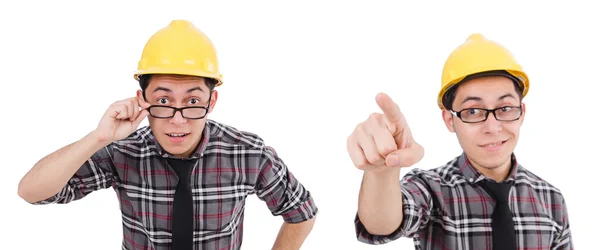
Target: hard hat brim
{"points": [[186, 72]]}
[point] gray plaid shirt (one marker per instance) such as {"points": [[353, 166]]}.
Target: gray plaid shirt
{"points": [[445, 208], [231, 165]]}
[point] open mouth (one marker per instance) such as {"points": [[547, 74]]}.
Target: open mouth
{"points": [[178, 135], [494, 144]]}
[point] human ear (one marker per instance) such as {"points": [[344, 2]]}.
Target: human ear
{"points": [[213, 100], [447, 117]]}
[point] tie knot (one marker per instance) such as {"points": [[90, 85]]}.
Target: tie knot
{"points": [[185, 172], [500, 191], [183, 168]]}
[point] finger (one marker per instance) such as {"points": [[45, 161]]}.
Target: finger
{"points": [[135, 109], [140, 117], [384, 141], [404, 139], [143, 103], [127, 106], [114, 111], [369, 147], [405, 157], [390, 109], [131, 108], [356, 154], [121, 111]]}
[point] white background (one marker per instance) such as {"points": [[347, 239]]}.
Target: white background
{"points": [[301, 76]]}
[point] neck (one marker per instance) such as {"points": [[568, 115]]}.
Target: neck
{"points": [[497, 173], [190, 151]]}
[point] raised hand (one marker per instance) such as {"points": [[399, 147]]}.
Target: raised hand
{"points": [[384, 141], [121, 119]]}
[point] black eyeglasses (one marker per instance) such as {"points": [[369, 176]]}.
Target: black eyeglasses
{"points": [[475, 115], [164, 112], [167, 112]]}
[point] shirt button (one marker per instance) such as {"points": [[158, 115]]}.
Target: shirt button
{"points": [[470, 179]]}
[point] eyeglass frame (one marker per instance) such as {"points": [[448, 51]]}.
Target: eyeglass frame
{"points": [[487, 113], [180, 110]]}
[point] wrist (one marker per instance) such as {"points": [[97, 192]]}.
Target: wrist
{"points": [[97, 139], [385, 174]]}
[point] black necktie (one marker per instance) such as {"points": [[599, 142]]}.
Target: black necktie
{"points": [[503, 229], [183, 213]]}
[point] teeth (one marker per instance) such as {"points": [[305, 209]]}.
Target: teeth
{"points": [[493, 145], [176, 135]]}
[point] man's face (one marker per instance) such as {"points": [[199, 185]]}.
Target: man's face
{"points": [[178, 135], [488, 144]]}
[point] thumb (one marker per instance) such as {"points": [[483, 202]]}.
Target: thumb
{"points": [[405, 157], [143, 114]]}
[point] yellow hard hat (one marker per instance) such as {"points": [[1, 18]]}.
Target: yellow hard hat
{"points": [[182, 49], [478, 55]]}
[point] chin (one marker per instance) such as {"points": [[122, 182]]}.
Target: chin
{"points": [[492, 160], [174, 148], [488, 163]]}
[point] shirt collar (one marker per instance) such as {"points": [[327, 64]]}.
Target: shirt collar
{"points": [[473, 175], [198, 153]]}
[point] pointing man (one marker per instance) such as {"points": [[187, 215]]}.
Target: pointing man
{"points": [[483, 198], [182, 181]]}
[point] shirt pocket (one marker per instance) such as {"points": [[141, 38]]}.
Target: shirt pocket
{"points": [[219, 213]]}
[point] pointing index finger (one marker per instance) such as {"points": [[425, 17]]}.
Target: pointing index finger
{"points": [[390, 109]]}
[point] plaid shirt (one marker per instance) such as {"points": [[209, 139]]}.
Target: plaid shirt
{"points": [[445, 208], [230, 165]]}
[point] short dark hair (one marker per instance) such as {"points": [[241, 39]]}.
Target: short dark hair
{"points": [[145, 81], [450, 94]]}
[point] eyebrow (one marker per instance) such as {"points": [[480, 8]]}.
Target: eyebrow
{"points": [[475, 98], [170, 91]]}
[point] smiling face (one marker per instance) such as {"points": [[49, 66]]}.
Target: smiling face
{"points": [[178, 135], [488, 144]]}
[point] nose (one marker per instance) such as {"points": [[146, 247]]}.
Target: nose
{"points": [[178, 118], [491, 125]]}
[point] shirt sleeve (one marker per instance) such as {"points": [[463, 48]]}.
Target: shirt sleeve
{"points": [[95, 174], [563, 241], [284, 195], [417, 206]]}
